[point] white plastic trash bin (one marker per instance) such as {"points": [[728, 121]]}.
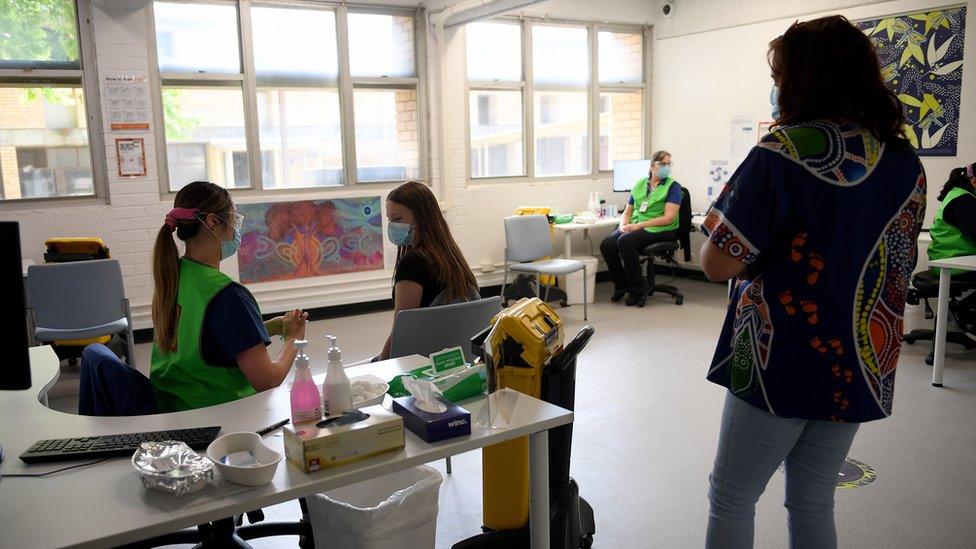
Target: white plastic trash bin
{"points": [[390, 512], [573, 283]]}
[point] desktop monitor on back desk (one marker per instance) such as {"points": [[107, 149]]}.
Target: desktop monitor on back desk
{"points": [[15, 365], [626, 174]]}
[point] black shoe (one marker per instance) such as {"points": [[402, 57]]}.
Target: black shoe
{"points": [[618, 295], [637, 297]]}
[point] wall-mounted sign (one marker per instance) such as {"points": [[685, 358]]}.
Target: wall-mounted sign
{"points": [[131, 154]]}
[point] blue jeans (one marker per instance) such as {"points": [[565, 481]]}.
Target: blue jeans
{"points": [[751, 446]]}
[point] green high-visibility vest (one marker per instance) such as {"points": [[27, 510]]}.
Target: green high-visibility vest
{"points": [[947, 239], [183, 380], [656, 200]]}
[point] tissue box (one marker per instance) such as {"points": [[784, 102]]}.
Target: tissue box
{"points": [[453, 422], [311, 448]]}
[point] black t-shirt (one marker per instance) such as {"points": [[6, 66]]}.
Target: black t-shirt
{"points": [[417, 268], [231, 325], [961, 213]]}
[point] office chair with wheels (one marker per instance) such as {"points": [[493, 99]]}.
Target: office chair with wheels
{"points": [[925, 285], [665, 251]]}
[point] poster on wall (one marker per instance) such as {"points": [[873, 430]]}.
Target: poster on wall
{"points": [[742, 139], [289, 240], [131, 155], [127, 101], [921, 57]]}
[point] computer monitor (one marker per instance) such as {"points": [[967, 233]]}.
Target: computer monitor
{"points": [[15, 367], [626, 174]]}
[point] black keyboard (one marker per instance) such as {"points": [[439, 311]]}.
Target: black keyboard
{"points": [[104, 446]]}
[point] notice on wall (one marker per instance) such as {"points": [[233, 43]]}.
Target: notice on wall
{"points": [[742, 139], [128, 107], [131, 154], [764, 126]]}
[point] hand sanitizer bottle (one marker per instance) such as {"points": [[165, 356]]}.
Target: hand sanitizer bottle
{"points": [[336, 391], [306, 403]]}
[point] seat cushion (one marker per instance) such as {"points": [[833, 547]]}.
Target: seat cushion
{"points": [[548, 266], [51, 334], [660, 248], [927, 284]]}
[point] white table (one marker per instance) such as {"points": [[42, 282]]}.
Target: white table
{"points": [[106, 504], [967, 263], [568, 228]]}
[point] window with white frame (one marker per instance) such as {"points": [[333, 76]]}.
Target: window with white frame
{"points": [[494, 59], [564, 62], [295, 96], [45, 142]]}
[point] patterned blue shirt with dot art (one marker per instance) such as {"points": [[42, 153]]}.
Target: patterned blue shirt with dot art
{"points": [[825, 217]]}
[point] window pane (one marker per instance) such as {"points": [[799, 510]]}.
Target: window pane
{"points": [[494, 51], [562, 143], [621, 128], [559, 56], [496, 133], [197, 37], [294, 45], [621, 58], [44, 143], [301, 139], [206, 123], [39, 35], [381, 45], [387, 146]]}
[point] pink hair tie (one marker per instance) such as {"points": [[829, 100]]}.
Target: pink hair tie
{"points": [[180, 214], [971, 170]]}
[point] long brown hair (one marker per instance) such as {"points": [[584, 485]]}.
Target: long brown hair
{"points": [[433, 240], [207, 198], [827, 69]]}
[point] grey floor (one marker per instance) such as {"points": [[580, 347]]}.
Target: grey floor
{"points": [[647, 424]]}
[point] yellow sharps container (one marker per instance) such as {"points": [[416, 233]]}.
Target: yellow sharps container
{"points": [[522, 341]]}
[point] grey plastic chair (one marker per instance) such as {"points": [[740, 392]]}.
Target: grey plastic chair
{"points": [[78, 300], [527, 240], [431, 329]]}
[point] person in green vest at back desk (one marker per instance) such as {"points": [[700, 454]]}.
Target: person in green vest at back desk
{"points": [[954, 228], [651, 216], [209, 340]]}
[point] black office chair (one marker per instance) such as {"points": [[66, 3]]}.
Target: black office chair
{"points": [[665, 251], [925, 285]]}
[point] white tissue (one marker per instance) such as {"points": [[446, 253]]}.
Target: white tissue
{"points": [[425, 394]]}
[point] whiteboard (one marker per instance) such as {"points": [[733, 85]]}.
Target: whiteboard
{"points": [[626, 174]]}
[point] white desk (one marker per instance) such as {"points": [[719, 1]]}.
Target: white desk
{"points": [[568, 228], [967, 263], [106, 504]]}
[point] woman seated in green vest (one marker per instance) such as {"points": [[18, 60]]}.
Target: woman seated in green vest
{"points": [[954, 228], [209, 340], [651, 216]]}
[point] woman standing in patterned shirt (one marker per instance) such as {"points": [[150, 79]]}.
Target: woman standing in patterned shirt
{"points": [[819, 228]]}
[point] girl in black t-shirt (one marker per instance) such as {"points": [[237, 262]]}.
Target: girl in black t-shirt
{"points": [[429, 262]]}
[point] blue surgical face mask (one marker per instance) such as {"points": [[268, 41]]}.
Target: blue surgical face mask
{"points": [[228, 247], [664, 171], [774, 102], [400, 234]]}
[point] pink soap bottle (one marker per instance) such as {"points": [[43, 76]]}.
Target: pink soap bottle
{"points": [[306, 402]]}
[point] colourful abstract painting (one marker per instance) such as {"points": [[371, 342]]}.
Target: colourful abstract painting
{"points": [[287, 240], [921, 58]]}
